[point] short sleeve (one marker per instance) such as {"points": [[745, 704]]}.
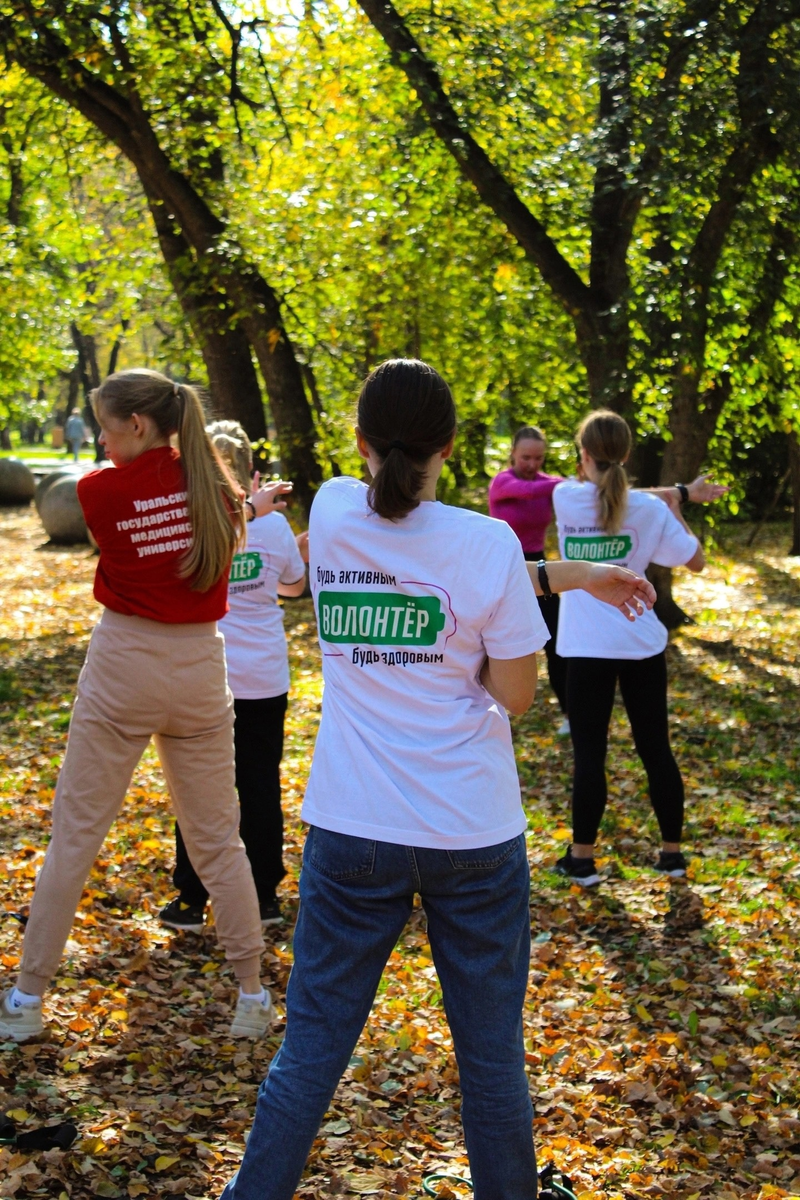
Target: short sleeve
{"points": [[93, 492], [293, 566], [675, 545], [515, 627]]}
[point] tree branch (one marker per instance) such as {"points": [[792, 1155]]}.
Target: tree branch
{"points": [[490, 182]]}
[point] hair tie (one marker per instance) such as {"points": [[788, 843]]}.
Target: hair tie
{"points": [[176, 389], [398, 446]]}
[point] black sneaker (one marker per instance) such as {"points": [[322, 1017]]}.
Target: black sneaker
{"points": [[579, 870], [178, 915], [270, 913], [671, 863]]}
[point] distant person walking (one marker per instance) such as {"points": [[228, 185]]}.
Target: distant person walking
{"points": [[74, 432], [522, 495], [167, 522]]}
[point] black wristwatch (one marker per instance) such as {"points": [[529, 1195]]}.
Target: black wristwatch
{"points": [[252, 508], [544, 582], [683, 491]]}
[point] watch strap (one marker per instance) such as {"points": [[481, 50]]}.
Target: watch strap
{"points": [[544, 582]]}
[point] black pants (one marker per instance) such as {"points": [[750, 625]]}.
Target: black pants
{"points": [[590, 697], [556, 665], [258, 748]]}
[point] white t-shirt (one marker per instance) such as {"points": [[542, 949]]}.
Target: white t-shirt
{"points": [[587, 628], [255, 644], [411, 748]]}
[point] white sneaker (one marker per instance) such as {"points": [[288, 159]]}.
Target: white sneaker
{"points": [[563, 729], [252, 1017], [19, 1024]]}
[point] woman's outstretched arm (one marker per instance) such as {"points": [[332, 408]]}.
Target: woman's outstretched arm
{"points": [[617, 586]]}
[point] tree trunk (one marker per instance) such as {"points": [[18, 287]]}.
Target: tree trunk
{"points": [[89, 373], [113, 357], [226, 300], [233, 386], [794, 467], [262, 322], [666, 607]]}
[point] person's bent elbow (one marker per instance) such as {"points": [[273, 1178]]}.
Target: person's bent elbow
{"points": [[519, 703], [697, 562], [511, 682], [291, 590]]}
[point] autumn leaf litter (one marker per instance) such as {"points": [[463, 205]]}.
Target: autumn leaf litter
{"points": [[661, 1022]]}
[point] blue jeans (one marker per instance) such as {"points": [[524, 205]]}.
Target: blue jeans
{"points": [[356, 896]]}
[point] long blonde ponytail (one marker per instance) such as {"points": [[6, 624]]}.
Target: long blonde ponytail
{"points": [[214, 499], [606, 436], [218, 528]]}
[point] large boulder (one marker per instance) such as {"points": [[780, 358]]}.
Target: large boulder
{"points": [[68, 471], [61, 513], [17, 484]]}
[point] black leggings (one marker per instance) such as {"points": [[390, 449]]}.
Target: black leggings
{"points": [[590, 697], [258, 748], [556, 666]]}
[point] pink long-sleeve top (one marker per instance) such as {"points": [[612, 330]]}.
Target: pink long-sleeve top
{"points": [[525, 504]]}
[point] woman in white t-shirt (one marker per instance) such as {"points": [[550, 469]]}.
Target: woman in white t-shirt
{"points": [[270, 565], [602, 520], [429, 629]]}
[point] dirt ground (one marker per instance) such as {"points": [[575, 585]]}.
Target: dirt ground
{"points": [[661, 1021]]}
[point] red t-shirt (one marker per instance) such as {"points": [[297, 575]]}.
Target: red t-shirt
{"points": [[139, 519]]}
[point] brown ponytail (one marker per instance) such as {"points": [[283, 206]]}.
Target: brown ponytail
{"points": [[606, 437], [214, 499], [406, 413]]}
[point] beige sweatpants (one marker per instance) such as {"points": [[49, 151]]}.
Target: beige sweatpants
{"points": [[142, 678]]}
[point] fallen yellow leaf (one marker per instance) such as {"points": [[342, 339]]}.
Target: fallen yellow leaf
{"points": [[165, 1161]]}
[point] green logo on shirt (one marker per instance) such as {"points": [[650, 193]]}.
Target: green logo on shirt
{"points": [[380, 618], [598, 549], [245, 566]]}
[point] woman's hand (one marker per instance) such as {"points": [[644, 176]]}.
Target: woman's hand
{"points": [[619, 587], [266, 499], [302, 545], [702, 492]]}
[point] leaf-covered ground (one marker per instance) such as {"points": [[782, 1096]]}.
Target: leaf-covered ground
{"points": [[661, 1022]]}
